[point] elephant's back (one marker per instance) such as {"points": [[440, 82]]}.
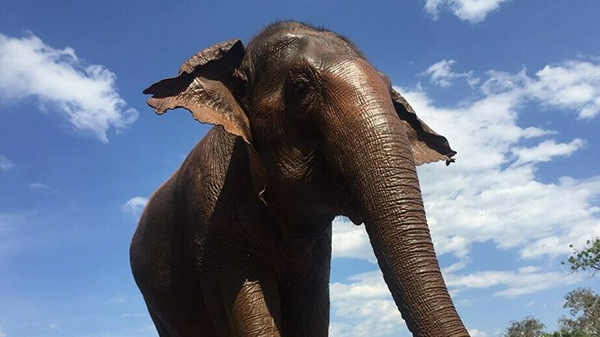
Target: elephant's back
{"points": [[164, 269], [151, 245]]}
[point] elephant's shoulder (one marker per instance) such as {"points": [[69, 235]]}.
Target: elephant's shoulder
{"points": [[217, 163], [216, 155]]}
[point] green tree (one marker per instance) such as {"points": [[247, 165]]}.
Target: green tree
{"points": [[528, 327], [584, 309], [588, 259], [532, 327], [583, 303]]}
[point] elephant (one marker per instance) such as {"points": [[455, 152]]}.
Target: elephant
{"points": [[238, 241]]}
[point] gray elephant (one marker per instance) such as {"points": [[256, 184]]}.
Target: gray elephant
{"points": [[238, 241]]}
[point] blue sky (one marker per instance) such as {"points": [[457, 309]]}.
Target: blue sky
{"points": [[514, 85]]}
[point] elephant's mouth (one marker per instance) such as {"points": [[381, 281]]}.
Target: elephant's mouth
{"points": [[355, 217], [348, 208], [351, 211]]}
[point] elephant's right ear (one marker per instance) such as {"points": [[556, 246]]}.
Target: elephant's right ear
{"points": [[205, 86], [427, 145]]}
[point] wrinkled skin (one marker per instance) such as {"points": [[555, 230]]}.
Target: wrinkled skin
{"points": [[238, 241]]}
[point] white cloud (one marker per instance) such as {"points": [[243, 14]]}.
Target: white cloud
{"points": [[42, 188], [1, 333], [119, 299], [477, 333], [492, 193], [525, 280], [477, 200], [83, 94], [148, 328], [440, 74], [468, 10], [135, 206], [55, 326], [572, 85], [39, 186], [364, 307], [546, 150], [6, 164], [351, 241]]}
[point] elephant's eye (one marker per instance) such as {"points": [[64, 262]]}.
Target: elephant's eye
{"points": [[300, 86]]}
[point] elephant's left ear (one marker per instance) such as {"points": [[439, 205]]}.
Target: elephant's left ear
{"points": [[427, 146]]}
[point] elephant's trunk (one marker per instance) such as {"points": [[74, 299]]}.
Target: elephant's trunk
{"points": [[370, 147]]}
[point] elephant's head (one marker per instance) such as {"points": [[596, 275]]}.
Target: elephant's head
{"points": [[327, 135]]}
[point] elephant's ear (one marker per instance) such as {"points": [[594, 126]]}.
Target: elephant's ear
{"points": [[427, 146], [206, 86]]}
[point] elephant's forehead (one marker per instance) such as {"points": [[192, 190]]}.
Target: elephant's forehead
{"points": [[309, 44]]}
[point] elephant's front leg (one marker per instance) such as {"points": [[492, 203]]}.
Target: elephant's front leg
{"points": [[255, 309], [242, 298], [305, 297]]}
